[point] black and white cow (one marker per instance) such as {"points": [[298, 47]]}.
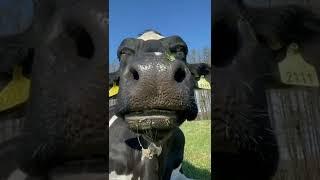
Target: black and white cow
{"points": [[156, 96]]}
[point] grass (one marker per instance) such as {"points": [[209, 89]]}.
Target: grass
{"points": [[197, 152]]}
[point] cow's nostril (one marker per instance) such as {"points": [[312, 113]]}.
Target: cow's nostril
{"points": [[179, 75], [83, 41], [135, 74]]}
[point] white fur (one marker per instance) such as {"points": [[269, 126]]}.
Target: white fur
{"points": [[150, 35], [112, 120], [158, 53], [177, 175], [114, 176]]}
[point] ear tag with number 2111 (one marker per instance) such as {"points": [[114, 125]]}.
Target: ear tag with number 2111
{"points": [[203, 83], [294, 70]]}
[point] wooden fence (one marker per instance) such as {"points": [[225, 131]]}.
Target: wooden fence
{"points": [[295, 117], [203, 99]]}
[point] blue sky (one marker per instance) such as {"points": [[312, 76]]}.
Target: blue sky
{"points": [[190, 19]]}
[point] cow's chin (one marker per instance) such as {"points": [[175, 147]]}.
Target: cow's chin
{"points": [[156, 124]]}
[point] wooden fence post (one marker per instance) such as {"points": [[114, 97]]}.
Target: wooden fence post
{"points": [[295, 117]]}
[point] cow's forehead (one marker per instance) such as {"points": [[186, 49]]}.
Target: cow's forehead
{"points": [[152, 41]]}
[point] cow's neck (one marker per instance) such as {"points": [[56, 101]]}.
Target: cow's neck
{"points": [[147, 168], [155, 164]]}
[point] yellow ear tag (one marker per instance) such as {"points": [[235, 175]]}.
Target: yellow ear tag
{"points": [[203, 83], [16, 92], [114, 90], [294, 70]]}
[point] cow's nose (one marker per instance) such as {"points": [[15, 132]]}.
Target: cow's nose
{"points": [[155, 82], [175, 72]]}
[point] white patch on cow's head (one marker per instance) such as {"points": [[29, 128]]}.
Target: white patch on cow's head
{"points": [[114, 176], [158, 53], [150, 35]]}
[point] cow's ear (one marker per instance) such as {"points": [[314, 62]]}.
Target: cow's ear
{"points": [[114, 79], [127, 48], [280, 26], [200, 70]]}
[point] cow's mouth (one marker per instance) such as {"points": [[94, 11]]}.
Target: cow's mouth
{"points": [[151, 119], [155, 123]]}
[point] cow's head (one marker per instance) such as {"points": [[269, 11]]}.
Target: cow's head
{"points": [[248, 44], [156, 83]]}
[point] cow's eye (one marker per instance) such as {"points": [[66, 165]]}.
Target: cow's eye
{"points": [[179, 51], [125, 52], [177, 48]]}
